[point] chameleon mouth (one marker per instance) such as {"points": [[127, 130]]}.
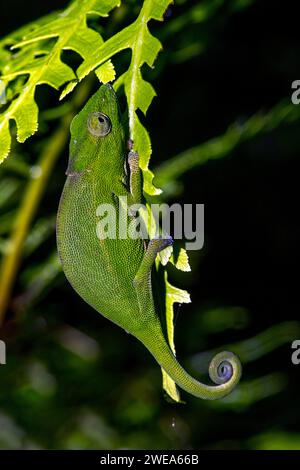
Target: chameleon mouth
{"points": [[70, 170], [74, 174]]}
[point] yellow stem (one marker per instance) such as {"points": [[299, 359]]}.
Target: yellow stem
{"points": [[30, 202]]}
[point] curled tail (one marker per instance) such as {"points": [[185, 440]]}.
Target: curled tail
{"points": [[224, 370]]}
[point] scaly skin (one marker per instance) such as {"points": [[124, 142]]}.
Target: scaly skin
{"points": [[114, 275]]}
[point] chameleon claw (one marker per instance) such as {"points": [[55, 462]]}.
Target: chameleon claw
{"points": [[133, 161], [160, 243]]}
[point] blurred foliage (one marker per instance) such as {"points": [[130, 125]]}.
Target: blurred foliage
{"points": [[223, 133]]}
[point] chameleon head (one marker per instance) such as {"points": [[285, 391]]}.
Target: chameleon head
{"points": [[98, 132]]}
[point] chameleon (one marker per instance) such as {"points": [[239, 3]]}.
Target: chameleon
{"points": [[116, 276]]}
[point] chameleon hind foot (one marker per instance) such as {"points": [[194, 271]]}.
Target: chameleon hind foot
{"points": [[155, 245], [142, 280], [158, 244]]}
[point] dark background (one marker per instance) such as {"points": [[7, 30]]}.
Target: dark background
{"points": [[106, 392]]}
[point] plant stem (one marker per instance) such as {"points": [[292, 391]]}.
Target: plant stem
{"points": [[223, 145], [31, 199]]}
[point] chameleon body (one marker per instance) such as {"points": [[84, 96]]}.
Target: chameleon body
{"points": [[115, 276]]}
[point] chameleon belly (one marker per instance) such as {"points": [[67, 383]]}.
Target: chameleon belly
{"points": [[103, 272]]}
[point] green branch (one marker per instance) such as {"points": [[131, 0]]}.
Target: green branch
{"points": [[223, 145]]}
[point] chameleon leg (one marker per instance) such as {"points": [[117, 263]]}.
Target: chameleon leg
{"points": [[142, 280], [135, 179]]}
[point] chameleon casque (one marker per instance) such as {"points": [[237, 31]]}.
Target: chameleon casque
{"points": [[115, 276]]}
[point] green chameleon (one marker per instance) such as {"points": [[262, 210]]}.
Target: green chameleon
{"points": [[115, 276]]}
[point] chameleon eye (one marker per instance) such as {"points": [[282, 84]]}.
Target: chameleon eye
{"points": [[99, 124]]}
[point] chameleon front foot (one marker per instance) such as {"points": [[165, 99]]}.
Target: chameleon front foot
{"points": [[135, 178]]}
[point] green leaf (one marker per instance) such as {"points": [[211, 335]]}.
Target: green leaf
{"points": [[139, 93], [173, 295], [37, 59]]}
